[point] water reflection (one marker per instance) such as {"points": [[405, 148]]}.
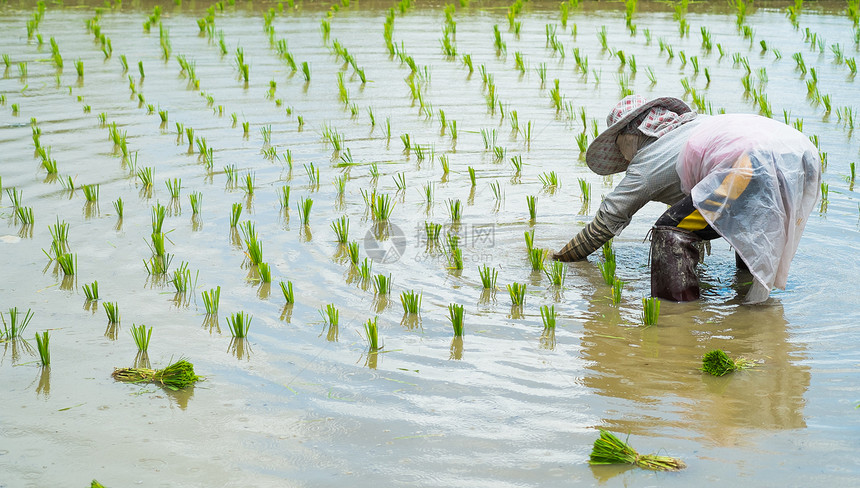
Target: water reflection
{"points": [[141, 361], [210, 323], [15, 346], [456, 348], [240, 348], [287, 313], [112, 331], [43, 388], [658, 369]]}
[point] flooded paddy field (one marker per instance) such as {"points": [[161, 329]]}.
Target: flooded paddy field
{"points": [[388, 103]]}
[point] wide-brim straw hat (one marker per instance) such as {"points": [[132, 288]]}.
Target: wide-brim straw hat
{"points": [[603, 155]]}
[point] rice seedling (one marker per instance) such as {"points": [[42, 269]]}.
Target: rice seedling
{"points": [[371, 331], [718, 363], [582, 142], [488, 277], [252, 243], [265, 272], [365, 269], [59, 231], [42, 346], [69, 263], [181, 279], [530, 238], [235, 213], [381, 207], [617, 287], [239, 324], [15, 196], [211, 300], [145, 176], [547, 314], [446, 164], [174, 186], [411, 302], [352, 250], [609, 449], [607, 271], [304, 207], [432, 231], [556, 273], [400, 181], [79, 68], [175, 376], [287, 290], [517, 291], [531, 201], [499, 153], [549, 180], [455, 258], [650, 311], [455, 209], [24, 214], [196, 199], [112, 312], [91, 192], [341, 229], [306, 71], [456, 314], [517, 163], [16, 325], [91, 291], [537, 258], [141, 336], [472, 175], [382, 284], [584, 190]]}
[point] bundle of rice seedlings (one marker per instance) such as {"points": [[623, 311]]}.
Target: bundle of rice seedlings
{"points": [[609, 449], [176, 376], [718, 363]]}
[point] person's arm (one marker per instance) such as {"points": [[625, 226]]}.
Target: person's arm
{"points": [[614, 214], [589, 239]]}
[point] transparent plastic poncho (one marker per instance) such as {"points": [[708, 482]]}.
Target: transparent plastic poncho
{"points": [[755, 181]]}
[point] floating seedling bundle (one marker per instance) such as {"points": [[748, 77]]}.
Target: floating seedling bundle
{"points": [[176, 376], [718, 363], [609, 449]]}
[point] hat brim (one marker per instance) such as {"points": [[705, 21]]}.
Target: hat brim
{"points": [[603, 156]]}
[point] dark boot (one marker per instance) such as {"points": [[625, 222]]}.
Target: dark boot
{"points": [[674, 256]]}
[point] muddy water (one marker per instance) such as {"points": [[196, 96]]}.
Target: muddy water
{"points": [[299, 403]]}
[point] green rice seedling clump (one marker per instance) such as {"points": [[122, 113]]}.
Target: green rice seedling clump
{"points": [[547, 314], [617, 287], [488, 277], [330, 315], [382, 284], [91, 291], [42, 345], [239, 324], [455, 315], [371, 331], [518, 293], [411, 302], [287, 290], [537, 258], [650, 310], [609, 449], [16, 325], [141, 336], [112, 312], [211, 300], [341, 229], [556, 273], [176, 376], [718, 363]]}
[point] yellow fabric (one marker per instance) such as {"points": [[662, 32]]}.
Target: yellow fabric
{"points": [[693, 222], [736, 182]]}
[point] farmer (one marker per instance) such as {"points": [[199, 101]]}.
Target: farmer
{"points": [[746, 178]]}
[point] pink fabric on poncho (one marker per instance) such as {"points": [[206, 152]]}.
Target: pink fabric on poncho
{"points": [[765, 222]]}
